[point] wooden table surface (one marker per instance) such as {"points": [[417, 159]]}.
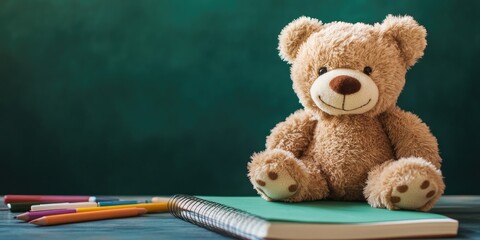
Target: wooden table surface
{"points": [[466, 209]]}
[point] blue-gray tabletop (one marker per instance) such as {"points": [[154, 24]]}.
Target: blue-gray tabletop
{"points": [[466, 209]]}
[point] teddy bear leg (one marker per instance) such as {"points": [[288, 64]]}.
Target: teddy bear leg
{"points": [[408, 183], [278, 176]]}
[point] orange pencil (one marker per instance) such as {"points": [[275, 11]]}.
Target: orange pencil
{"points": [[88, 216]]}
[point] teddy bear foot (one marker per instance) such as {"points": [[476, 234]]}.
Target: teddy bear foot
{"points": [[408, 183], [276, 184], [415, 194], [278, 176]]}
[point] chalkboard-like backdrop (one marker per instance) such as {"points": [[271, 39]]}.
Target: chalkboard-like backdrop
{"points": [[163, 97]]}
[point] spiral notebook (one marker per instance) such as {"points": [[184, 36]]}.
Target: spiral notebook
{"points": [[255, 218]]}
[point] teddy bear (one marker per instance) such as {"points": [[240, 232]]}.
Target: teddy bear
{"points": [[350, 141]]}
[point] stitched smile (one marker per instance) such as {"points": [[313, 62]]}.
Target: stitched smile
{"points": [[343, 104]]}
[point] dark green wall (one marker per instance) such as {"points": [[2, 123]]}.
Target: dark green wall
{"points": [[163, 97]]}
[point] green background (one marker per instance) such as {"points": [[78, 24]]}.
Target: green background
{"points": [[162, 97]]}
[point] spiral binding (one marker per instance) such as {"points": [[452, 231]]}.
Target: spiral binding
{"points": [[217, 217]]}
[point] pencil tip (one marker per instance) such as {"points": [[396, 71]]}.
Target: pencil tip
{"points": [[23, 217], [37, 221]]}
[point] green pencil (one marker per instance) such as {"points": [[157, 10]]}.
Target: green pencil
{"points": [[22, 207]]}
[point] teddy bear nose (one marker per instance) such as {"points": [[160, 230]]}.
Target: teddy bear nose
{"points": [[345, 85]]}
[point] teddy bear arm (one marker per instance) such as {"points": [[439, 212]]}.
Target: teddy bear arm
{"points": [[410, 137], [294, 134]]}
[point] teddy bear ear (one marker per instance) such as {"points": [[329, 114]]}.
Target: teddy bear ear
{"points": [[294, 35], [409, 36]]}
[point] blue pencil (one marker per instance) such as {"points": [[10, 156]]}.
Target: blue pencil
{"points": [[124, 202]]}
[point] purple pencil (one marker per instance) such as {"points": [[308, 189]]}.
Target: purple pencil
{"points": [[29, 216]]}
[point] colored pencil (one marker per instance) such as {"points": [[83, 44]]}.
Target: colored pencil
{"points": [[29, 216], [150, 207], [124, 202], [88, 216], [51, 198], [22, 207], [52, 206], [160, 199]]}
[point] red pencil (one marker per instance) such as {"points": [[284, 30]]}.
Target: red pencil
{"points": [[49, 198]]}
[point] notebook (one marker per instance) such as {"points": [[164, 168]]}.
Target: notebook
{"points": [[255, 218]]}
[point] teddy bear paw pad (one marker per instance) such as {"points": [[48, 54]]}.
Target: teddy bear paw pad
{"points": [[276, 184], [414, 194]]}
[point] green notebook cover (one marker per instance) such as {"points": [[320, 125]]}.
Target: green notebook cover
{"points": [[328, 212]]}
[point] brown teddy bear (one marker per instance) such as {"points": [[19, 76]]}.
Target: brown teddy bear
{"points": [[351, 141]]}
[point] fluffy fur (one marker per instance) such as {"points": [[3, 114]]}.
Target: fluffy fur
{"points": [[384, 155]]}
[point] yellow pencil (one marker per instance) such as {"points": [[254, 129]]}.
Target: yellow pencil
{"points": [[150, 207]]}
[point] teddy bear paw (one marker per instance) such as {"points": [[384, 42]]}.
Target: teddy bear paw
{"points": [[414, 194], [276, 185]]}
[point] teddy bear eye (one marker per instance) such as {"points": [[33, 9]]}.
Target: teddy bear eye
{"points": [[367, 70], [322, 70]]}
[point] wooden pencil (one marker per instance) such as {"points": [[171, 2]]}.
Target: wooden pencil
{"points": [[22, 207], [88, 216], [150, 207], [160, 199], [52, 206], [29, 216], [49, 198]]}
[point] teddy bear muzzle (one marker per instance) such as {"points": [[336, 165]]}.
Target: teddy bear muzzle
{"points": [[344, 91]]}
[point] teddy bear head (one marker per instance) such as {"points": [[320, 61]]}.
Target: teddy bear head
{"points": [[341, 68]]}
